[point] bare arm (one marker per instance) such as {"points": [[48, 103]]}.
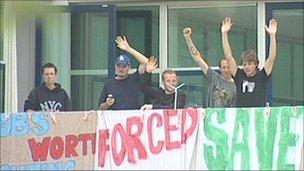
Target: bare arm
{"points": [[226, 27], [271, 30], [123, 44], [197, 57]]}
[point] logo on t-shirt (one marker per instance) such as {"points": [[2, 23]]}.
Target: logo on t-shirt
{"points": [[248, 86], [50, 106], [222, 97]]}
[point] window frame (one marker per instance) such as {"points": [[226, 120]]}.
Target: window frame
{"points": [[270, 7]]}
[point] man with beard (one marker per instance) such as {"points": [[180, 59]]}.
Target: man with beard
{"points": [[122, 92]]}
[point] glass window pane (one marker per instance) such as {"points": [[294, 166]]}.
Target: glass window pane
{"points": [[282, 76], [55, 39], [288, 72], [89, 52], [85, 95], [1, 31], [206, 23], [89, 41], [141, 27], [298, 76], [195, 87], [2, 74]]}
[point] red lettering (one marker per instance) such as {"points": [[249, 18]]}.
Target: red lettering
{"points": [[71, 141], [84, 138], [160, 144], [118, 157], [132, 140], [103, 146], [56, 148], [168, 128], [39, 150], [194, 120], [93, 143]]}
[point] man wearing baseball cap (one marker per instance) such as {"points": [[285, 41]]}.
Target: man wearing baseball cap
{"points": [[122, 92]]}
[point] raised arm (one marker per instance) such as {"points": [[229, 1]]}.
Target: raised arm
{"points": [[123, 44], [145, 78], [226, 27], [197, 57], [271, 30]]}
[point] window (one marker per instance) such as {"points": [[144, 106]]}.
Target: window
{"points": [[2, 66], [89, 58], [1, 30], [2, 81], [77, 40], [205, 23], [141, 27], [287, 77]]}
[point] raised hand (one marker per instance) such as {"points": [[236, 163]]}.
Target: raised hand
{"points": [[272, 27], [226, 25], [122, 43], [187, 32], [151, 64]]}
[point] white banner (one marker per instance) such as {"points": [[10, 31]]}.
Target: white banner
{"points": [[245, 139], [201, 139], [152, 139], [225, 139]]}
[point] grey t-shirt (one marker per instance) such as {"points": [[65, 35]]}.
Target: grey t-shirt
{"points": [[221, 93]]}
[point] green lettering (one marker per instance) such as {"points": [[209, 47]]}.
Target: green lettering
{"points": [[219, 137], [286, 139], [241, 121], [265, 133]]}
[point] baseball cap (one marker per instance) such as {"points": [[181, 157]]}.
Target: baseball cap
{"points": [[123, 59]]}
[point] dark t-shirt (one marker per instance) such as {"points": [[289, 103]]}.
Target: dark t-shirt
{"points": [[160, 99], [251, 91], [125, 92]]}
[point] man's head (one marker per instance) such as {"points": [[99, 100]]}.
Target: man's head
{"points": [[225, 69], [122, 66], [49, 73], [249, 62], [170, 80]]}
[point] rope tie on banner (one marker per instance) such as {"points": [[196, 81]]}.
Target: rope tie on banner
{"points": [[267, 113], [104, 119], [294, 111], [53, 117], [142, 118], [203, 114], [86, 115]]}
